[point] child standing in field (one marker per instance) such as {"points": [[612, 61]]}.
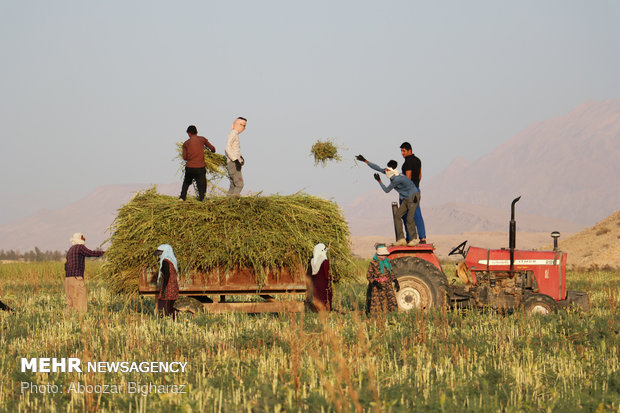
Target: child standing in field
{"points": [[380, 296], [167, 280]]}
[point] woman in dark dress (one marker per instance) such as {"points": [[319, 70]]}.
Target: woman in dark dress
{"points": [[167, 280], [321, 280], [380, 296]]}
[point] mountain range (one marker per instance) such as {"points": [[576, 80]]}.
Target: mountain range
{"points": [[566, 169], [92, 215]]}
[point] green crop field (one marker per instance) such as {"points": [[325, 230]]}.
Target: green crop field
{"points": [[453, 361]]}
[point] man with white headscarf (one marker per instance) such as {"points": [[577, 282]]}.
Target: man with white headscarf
{"points": [[75, 287], [321, 280], [409, 194]]}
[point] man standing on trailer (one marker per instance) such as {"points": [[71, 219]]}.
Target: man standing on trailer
{"points": [[233, 156], [195, 170], [412, 169]]}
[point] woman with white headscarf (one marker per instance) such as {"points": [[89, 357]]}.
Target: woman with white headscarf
{"points": [[321, 280], [167, 280]]}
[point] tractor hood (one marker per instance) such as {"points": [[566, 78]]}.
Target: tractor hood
{"points": [[548, 267]]}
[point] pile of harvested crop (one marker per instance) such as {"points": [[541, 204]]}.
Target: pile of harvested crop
{"points": [[324, 151], [260, 232], [215, 163]]}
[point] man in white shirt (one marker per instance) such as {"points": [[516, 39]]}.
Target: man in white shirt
{"points": [[233, 156]]}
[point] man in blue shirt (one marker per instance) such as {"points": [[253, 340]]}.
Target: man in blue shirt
{"points": [[409, 195]]}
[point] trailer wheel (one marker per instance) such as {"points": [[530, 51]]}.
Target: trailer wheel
{"points": [[420, 284], [188, 304], [539, 304]]}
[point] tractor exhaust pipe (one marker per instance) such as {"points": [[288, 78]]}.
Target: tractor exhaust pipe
{"points": [[512, 235], [396, 220], [555, 235]]}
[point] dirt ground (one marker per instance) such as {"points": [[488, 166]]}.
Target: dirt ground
{"points": [[597, 246]]}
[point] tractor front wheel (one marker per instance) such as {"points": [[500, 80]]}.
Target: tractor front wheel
{"points": [[420, 284], [539, 304]]}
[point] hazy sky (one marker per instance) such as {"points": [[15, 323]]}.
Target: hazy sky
{"points": [[96, 93]]}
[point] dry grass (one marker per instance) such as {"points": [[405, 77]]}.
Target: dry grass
{"points": [[603, 231], [324, 151], [259, 232], [466, 360]]}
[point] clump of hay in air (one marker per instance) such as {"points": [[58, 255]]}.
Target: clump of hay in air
{"points": [[324, 151], [223, 233], [215, 164]]}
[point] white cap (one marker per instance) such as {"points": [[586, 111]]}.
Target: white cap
{"points": [[382, 250], [77, 238]]}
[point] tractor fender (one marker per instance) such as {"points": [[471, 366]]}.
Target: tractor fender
{"points": [[577, 299]]}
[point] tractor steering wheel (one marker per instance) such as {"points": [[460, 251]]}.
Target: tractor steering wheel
{"points": [[459, 249]]}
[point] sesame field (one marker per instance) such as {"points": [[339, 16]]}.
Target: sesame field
{"points": [[443, 360]]}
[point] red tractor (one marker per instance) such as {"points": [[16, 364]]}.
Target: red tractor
{"points": [[501, 278]]}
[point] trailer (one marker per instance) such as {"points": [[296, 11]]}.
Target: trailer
{"points": [[285, 290]]}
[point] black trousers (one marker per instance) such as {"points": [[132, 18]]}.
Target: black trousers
{"points": [[200, 176]]}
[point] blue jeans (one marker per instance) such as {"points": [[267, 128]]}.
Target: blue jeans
{"points": [[419, 222]]}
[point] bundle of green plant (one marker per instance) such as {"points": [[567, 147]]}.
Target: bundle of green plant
{"points": [[223, 233], [324, 151], [215, 163]]}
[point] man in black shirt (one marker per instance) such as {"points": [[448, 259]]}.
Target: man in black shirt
{"points": [[412, 169]]}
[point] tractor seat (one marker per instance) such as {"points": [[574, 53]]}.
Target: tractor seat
{"points": [[463, 273]]}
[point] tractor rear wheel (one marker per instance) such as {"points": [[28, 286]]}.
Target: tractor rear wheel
{"points": [[420, 284], [539, 304]]}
